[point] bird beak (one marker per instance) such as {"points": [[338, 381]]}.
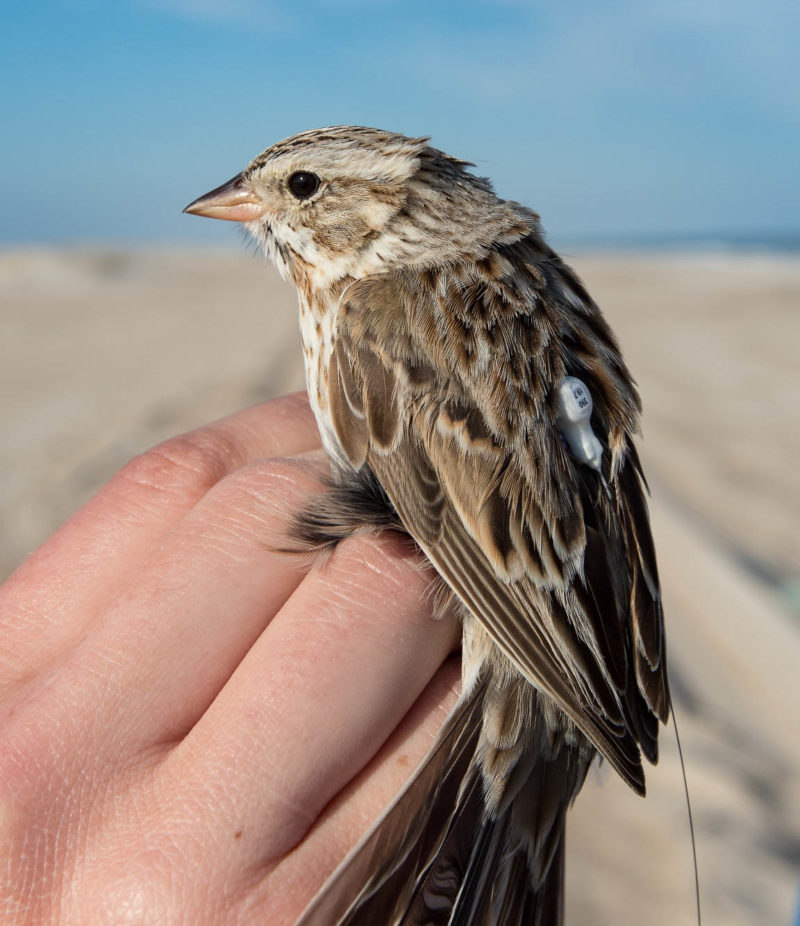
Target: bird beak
{"points": [[234, 201]]}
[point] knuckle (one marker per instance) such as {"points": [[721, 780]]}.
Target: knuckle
{"points": [[191, 463]]}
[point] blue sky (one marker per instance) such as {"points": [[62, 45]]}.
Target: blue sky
{"points": [[611, 118]]}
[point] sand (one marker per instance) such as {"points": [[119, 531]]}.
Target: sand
{"points": [[104, 353]]}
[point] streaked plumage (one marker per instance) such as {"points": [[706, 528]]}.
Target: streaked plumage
{"points": [[437, 326]]}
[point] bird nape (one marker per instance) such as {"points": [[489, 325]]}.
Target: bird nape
{"points": [[442, 339]]}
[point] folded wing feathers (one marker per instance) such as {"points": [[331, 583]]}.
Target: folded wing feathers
{"points": [[540, 584]]}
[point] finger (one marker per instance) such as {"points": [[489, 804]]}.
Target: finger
{"points": [[157, 850], [314, 700], [166, 646], [283, 894], [54, 595]]}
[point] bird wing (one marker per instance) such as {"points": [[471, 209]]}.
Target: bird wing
{"points": [[442, 383]]}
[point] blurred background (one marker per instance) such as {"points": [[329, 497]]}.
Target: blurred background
{"points": [[660, 144]]}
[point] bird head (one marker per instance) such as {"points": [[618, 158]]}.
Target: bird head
{"points": [[346, 201]]}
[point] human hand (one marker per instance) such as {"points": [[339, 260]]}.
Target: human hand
{"points": [[192, 728]]}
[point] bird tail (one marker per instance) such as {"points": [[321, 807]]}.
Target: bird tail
{"points": [[436, 858]]}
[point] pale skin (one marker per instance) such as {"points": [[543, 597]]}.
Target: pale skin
{"points": [[193, 728]]}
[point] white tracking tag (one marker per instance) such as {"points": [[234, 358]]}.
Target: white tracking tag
{"points": [[574, 415]]}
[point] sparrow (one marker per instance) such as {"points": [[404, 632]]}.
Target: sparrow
{"points": [[440, 332]]}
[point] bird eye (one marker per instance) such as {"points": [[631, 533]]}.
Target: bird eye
{"points": [[303, 184]]}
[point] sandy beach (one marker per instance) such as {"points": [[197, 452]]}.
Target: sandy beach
{"points": [[104, 353]]}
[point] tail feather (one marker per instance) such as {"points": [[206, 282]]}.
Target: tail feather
{"points": [[496, 887], [548, 908]]}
